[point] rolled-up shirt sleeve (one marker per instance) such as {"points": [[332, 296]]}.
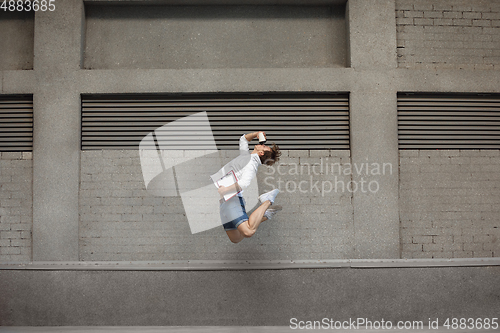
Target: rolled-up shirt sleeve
{"points": [[248, 173], [243, 143]]}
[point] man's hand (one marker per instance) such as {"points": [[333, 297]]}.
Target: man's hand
{"points": [[227, 189], [251, 136], [222, 190]]}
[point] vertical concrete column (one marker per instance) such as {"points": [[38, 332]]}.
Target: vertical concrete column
{"points": [[56, 131], [371, 26], [374, 141]]}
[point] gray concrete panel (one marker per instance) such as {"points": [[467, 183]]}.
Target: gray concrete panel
{"points": [[239, 298], [372, 34], [214, 37], [18, 82], [56, 143], [16, 40]]}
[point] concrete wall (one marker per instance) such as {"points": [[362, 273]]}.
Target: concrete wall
{"points": [[448, 34], [16, 206], [75, 217], [16, 44], [214, 37], [63, 206], [120, 220], [246, 298], [450, 203]]}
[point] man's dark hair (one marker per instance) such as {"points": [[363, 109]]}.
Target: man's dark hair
{"points": [[271, 157]]}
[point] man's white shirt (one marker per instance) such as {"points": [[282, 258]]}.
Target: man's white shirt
{"points": [[249, 172], [245, 166]]}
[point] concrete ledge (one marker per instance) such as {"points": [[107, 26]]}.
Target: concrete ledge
{"points": [[217, 265], [18, 82], [263, 297], [205, 329]]}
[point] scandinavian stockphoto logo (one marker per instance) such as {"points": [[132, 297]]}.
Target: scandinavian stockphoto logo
{"points": [[179, 158]]}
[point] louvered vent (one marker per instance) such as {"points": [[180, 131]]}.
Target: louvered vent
{"points": [[294, 121], [16, 123], [451, 121]]}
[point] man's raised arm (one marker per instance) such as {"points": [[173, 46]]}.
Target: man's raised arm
{"points": [[251, 136]]}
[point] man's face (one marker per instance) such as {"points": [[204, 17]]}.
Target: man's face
{"points": [[261, 149]]}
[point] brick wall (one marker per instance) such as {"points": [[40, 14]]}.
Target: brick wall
{"points": [[450, 203], [16, 206], [120, 220], [448, 34]]}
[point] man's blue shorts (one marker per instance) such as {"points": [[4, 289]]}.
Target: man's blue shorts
{"points": [[233, 213]]}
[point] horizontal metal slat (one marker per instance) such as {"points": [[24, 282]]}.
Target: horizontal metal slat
{"points": [[449, 128], [196, 140], [15, 106], [455, 142], [14, 144], [16, 141], [319, 143], [448, 132], [210, 106], [456, 98], [15, 135], [449, 137], [227, 124], [236, 134], [448, 118], [440, 123], [478, 104], [452, 113], [220, 119], [215, 113], [448, 146], [212, 100], [15, 112], [229, 147]]}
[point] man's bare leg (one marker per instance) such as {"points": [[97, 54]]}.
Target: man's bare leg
{"points": [[257, 216], [248, 228], [235, 235]]}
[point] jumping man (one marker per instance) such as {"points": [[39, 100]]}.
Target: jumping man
{"points": [[237, 224]]}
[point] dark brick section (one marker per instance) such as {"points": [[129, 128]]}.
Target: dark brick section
{"points": [[450, 203], [120, 220], [446, 34], [16, 206]]}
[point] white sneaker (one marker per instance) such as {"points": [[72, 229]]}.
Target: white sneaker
{"points": [[271, 195], [271, 211]]}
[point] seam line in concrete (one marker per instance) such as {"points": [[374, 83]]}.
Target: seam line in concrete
{"points": [[216, 265]]}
